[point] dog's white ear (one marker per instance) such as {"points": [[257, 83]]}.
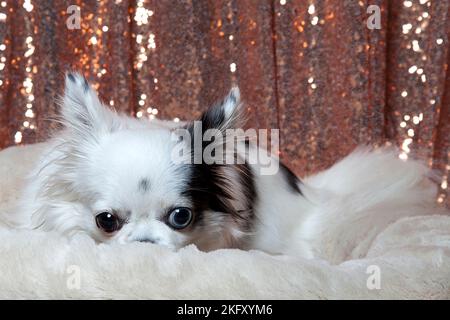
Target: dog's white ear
{"points": [[226, 114], [82, 110]]}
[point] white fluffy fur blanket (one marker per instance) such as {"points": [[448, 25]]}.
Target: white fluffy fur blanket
{"points": [[409, 259]]}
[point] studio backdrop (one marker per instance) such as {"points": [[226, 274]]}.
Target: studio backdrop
{"points": [[330, 74]]}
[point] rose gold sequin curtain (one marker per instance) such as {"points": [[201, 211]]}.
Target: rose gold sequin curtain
{"points": [[309, 67]]}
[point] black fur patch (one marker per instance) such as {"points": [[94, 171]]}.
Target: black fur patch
{"points": [[210, 189], [213, 118], [85, 85], [71, 77], [144, 185], [291, 179]]}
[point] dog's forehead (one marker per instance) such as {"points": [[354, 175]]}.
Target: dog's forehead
{"points": [[137, 152], [138, 164]]}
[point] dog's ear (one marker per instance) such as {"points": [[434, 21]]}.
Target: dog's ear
{"points": [[82, 110], [226, 186], [225, 114], [215, 128]]}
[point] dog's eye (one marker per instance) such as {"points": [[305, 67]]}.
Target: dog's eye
{"points": [[180, 218], [108, 222]]}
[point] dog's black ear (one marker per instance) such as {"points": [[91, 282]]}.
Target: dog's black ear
{"points": [[225, 114]]}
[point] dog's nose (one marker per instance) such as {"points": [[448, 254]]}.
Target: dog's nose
{"points": [[151, 240]]}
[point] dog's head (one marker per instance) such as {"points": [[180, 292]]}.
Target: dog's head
{"points": [[118, 177]]}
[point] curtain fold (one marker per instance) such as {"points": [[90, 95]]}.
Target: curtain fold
{"points": [[312, 68]]}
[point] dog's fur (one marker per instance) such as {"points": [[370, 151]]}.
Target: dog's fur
{"points": [[105, 161]]}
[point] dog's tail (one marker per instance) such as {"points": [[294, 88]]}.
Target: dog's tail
{"points": [[360, 196]]}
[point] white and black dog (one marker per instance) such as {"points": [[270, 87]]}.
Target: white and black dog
{"points": [[113, 177]]}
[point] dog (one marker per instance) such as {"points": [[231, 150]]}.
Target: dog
{"points": [[115, 179]]}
